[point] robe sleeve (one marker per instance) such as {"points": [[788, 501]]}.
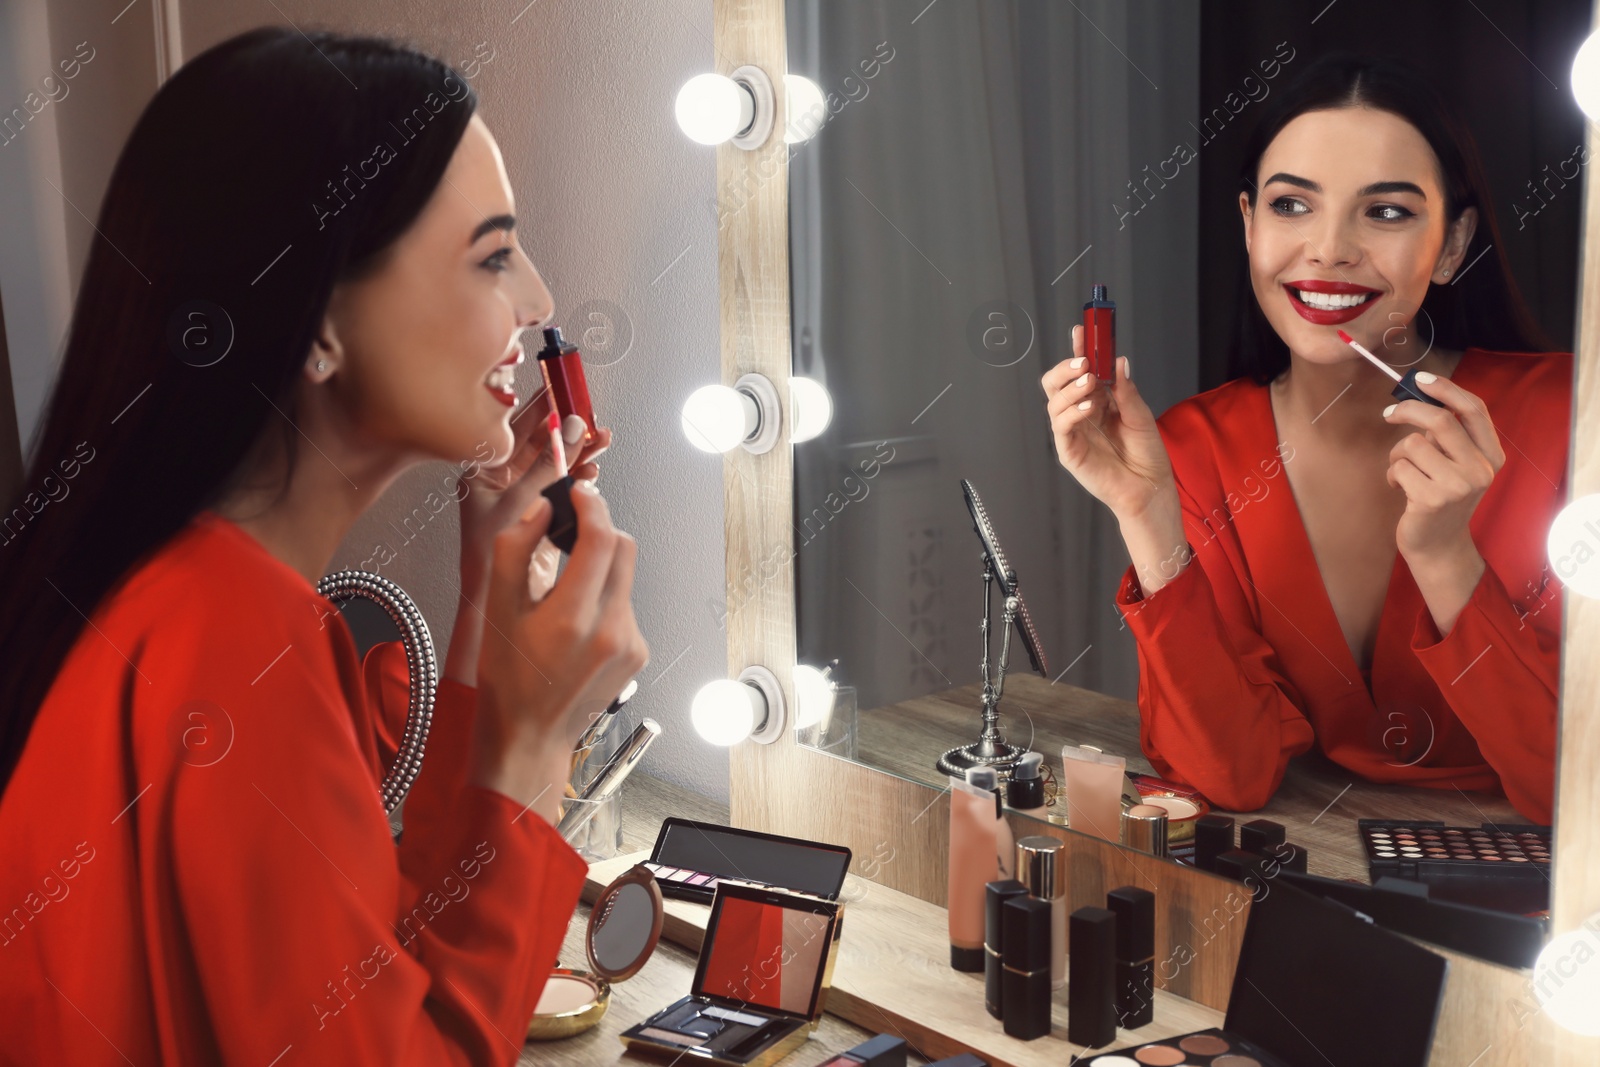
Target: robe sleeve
{"points": [[1499, 670], [1215, 709], [309, 930]]}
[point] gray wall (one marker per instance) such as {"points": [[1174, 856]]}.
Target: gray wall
{"points": [[616, 203]]}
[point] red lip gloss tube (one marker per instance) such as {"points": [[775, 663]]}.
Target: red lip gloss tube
{"points": [[1100, 335], [562, 366]]}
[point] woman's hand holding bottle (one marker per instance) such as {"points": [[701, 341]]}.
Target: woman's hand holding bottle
{"points": [[1106, 438]]}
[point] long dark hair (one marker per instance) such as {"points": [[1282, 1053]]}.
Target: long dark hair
{"points": [[1484, 308], [252, 183]]}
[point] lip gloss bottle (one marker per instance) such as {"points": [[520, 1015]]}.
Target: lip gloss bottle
{"points": [[562, 366], [1100, 335]]}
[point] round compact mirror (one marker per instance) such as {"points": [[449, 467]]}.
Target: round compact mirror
{"points": [[624, 927]]}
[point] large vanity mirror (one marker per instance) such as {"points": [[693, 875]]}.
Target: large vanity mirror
{"points": [[975, 168]]}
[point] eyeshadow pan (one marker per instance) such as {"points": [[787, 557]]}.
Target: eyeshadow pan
{"points": [[1204, 1045], [1114, 1061], [699, 879], [1160, 1056]]}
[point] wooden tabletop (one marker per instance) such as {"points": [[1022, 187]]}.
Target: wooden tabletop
{"points": [[1319, 801], [670, 970]]}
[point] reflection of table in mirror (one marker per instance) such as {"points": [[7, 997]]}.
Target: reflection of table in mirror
{"points": [[1319, 802]]}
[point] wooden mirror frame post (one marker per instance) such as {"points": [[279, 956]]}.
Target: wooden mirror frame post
{"points": [[898, 828]]}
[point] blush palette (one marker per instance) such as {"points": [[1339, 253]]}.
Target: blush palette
{"points": [[1208, 1048], [1496, 866]]}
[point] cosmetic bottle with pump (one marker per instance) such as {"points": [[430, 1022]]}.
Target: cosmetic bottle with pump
{"points": [[981, 851], [1025, 791]]}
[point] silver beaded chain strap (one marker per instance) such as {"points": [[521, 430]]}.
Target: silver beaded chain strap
{"points": [[420, 661]]}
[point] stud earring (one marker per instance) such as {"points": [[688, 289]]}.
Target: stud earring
{"points": [[1446, 272], [322, 364]]}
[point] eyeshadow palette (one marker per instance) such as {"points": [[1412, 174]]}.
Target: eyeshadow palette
{"points": [[1207, 1048], [691, 859], [1496, 866], [760, 984]]}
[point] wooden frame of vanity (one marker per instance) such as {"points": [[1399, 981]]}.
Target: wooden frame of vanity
{"points": [[898, 828]]}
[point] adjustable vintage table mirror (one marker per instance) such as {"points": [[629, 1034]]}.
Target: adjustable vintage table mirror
{"points": [[378, 611], [991, 748]]}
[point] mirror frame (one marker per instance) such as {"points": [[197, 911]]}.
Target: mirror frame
{"points": [[897, 827], [421, 661], [638, 875]]}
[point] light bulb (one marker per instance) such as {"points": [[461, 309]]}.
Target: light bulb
{"points": [[716, 418], [711, 108], [725, 712], [813, 695], [1586, 77], [1573, 545], [1566, 978], [812, 408], [804, 108]]}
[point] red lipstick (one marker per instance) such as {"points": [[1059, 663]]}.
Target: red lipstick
{"points": [[1328, 316], [499, 384]]}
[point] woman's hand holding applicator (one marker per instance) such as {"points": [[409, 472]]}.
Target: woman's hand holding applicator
{"points": [[1444, 470]]}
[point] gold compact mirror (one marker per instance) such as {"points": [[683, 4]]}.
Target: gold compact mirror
{"points": [[624, 926]]}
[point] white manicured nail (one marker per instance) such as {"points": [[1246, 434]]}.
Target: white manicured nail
{"points": [[1425, 377], [1076, 364], [572, 429], [1081, 382], [1086, 405], [1389, 410]]}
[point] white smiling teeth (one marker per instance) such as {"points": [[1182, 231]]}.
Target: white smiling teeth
{"points": [[502, 377], [1332, 301]]}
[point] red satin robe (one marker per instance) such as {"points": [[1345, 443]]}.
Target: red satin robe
{"points": [[197, 866], [1242, 663]]}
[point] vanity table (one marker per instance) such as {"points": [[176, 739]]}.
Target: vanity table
{"points": [[670, 969], [1319, 802]]}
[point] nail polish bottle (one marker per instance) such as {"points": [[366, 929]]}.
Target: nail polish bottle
{"points": [[1091, 977], [1026, 952], [995, 895], [1100, 335], [1135, 910]]}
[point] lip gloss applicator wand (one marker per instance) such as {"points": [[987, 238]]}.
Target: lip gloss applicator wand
{"points": [[1407, 389]]}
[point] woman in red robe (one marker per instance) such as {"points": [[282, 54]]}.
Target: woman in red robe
{"points": [[1314, 563], [276, 321]]}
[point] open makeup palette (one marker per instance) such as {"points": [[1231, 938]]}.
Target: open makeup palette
{"points": [[760, 984]]}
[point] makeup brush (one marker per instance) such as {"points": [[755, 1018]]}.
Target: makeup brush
{"points": [[1407, 389], [596, 731]]}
